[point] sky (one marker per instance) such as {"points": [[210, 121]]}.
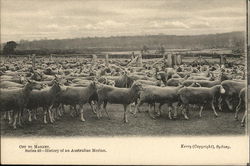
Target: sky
{"points": [[59, 19]]}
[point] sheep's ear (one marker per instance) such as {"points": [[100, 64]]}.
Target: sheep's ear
{"points": [[28, 80]]}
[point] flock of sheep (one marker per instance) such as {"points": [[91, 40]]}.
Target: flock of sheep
{"points": [[52, 84]]}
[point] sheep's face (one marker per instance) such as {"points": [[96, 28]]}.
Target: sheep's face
{"points": [[195, 84], [93, 85], [39, 86], [137, 86], [31, 85]]}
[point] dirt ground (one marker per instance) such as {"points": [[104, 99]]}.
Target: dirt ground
{"points": [[142, 125]]}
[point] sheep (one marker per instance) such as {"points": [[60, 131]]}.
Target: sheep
{"points": [[242, 102], [124, 81], [149, 82], [203, 83], [203, 74], [16, 79], [200, 96], [16, 100], [8, 84], [124, 96], [184, 74], [77, 96], [201, 78], [175, 81], [162, 95], [243, 121], [44, 98], [232, 89]]}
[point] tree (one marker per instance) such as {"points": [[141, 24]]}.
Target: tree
{"points": [[9, 48], [160, 50], [145, 49]]}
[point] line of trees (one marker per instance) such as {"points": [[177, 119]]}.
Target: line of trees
{"points": [[233, 40]]}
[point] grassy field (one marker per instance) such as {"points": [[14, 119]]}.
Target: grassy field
{"points": [[142, 125]]}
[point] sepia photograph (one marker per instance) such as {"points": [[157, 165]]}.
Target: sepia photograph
{"points": [[162, 71]]}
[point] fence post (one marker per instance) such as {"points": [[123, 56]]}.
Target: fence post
{"points": [[139, 61], [200, 60], [94, 59], [174, 59], [51, 58], [33, 61], [170, 60], [107, 59], [178, 59]]}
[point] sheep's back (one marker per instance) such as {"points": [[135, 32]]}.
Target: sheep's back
{"points": [[190, 95], [11, 99]]}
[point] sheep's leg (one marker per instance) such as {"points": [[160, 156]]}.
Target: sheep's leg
{"points": [[59, 110], [10, 114], [19, 122], [91, 103], [5, 116], [184, 112], [137, 109], [55, 113], [77, 111], [219, 103], [170, 112], [72, 110], [229, 104], [30, 115], [81, 113], [201, 108], [60, 113], [63, 109], [130, 110], [244, 119], [50, 114], [125, 114], [175, 111], [159, 110], [188, 107], [237, 110], [99, 109], [45, 115], [135, 104], [212, 104], [34, 115], [149, 112], [105, 109], [15, 119]]}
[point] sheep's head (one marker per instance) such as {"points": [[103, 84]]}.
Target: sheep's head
{"points": [[31, 85], [56, 86], [36, 76], [92, 85], [195, 84], [111, 82], [137, 86]]}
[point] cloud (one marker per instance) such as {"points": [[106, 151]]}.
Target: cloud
{"points": [[169, 25], [34, 19]]}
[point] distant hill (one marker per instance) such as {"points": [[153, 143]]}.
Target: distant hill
{"points": [[127, 43]]}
